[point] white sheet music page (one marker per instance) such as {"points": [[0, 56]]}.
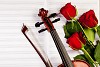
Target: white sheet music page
{"points": [[15, 50]]}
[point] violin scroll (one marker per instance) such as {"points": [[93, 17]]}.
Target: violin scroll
{"points": [[46, 20], [43, 12]]}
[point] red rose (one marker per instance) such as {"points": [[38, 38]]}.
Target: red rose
{"points": [[68, 11], [88, 19], [76, 41]]}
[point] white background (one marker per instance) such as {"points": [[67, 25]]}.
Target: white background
{"points": [[15, 50]]}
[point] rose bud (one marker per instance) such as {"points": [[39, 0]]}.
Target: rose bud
{"points": [[88, 19], [68, 11], [76, 41]]}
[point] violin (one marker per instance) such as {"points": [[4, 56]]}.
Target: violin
{"points": [[66, 61]]}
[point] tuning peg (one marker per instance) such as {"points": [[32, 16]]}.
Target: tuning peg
{"points": [[56, 20], [38, 24], [52, 15], [42, 30]]}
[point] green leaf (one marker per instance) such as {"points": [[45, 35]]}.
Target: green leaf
{"points": [[80, 57], [98, 30], [90, 34], [90, 50], [97, 52], [70, 28], [88, 41], [66, 32]]}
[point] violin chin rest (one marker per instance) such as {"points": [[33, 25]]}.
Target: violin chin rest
{"points": [[78, 63]]}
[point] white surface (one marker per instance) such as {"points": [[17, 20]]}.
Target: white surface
{"points": [[15, 50]]}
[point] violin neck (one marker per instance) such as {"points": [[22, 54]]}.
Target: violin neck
{"points": [[61, 49]]}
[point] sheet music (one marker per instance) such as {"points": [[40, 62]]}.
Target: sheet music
{"points": [[15, 50]]}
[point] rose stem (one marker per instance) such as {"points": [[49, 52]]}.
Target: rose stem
{"points": [[84, 33], [89, 57]]}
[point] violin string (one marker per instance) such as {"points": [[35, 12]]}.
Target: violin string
{"points": [[60, 50]]}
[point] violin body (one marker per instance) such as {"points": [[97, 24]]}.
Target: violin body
{"points": [[78, 63]]}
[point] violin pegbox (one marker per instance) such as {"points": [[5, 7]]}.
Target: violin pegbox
{"points": [[46, 20], [43, 12]]}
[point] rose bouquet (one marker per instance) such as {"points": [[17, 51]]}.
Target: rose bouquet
{"points": [[80, 34]]}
